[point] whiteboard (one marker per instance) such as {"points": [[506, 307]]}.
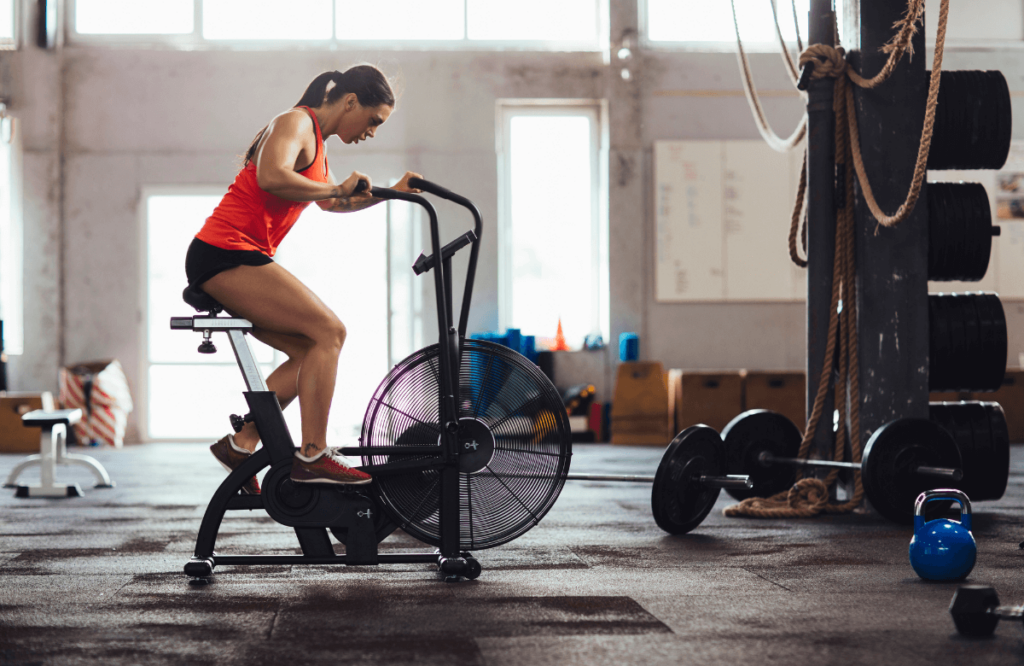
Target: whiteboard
{"points": [[723, 211]]}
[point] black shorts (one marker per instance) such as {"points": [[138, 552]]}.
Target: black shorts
{"points": [[203, 261]]}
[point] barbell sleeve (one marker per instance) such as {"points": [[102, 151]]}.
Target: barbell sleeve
{"points": [[735, 481], [951, 473]]}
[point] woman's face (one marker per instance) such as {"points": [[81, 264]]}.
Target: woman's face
{"points": [[360, 123]]}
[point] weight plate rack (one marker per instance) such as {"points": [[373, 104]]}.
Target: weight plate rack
{"points": [[967, 331]]}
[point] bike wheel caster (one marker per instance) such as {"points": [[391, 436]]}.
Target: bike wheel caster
{"points": [[473, 568], [451, 568], [199, 568]]}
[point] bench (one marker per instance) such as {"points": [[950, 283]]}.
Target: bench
{"points": [[54, 426]]}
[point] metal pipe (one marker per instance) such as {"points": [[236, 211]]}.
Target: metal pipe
{"points": [[735, 481], [728, 481], [630, 478], [766, 459]]}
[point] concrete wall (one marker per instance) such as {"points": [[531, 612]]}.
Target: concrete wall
{"points": [[99, 124]]}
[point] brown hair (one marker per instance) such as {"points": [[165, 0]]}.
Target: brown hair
{"points": [[368, 83]]}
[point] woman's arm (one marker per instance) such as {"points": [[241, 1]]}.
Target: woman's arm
{"points": [[346, 204], [360, 201], [276, 157]]}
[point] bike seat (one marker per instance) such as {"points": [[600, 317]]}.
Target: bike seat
{"points": [[200, 300]]}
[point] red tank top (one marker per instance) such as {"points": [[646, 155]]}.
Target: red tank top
{"points": [[249, 218]]}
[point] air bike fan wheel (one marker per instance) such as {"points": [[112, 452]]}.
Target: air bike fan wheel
{"points": [[514, 444]]}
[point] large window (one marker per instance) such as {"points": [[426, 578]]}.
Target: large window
{"points": [[11, 246], [8, 21], [134, 17], [553, 231], [568, 24], [342, 258], [703, 24]]}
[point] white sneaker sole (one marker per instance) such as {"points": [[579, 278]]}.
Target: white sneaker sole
{"points": [[332, 482]]}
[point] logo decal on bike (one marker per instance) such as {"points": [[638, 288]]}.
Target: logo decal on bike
{"points": [[364, 514], [472, 445]]}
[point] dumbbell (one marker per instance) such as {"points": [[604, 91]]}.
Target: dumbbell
{"points": [[976, 610], [901, 460]]}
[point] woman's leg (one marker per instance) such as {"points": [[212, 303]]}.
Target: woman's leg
{"points": [[283, 380], [275, 301]]}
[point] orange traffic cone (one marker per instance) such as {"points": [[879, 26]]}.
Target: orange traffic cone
{"points": [[560, 339]]}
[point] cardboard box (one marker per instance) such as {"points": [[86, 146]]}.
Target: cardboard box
{"points": [[1011, 397], [784, 392], [711, 398], [675, 398], [14, 437], [640, 410]]}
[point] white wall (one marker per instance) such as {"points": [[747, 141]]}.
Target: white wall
{"points": [[137, 117]]}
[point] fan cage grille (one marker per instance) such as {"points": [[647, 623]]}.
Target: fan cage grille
{"points": [[523, 411]]}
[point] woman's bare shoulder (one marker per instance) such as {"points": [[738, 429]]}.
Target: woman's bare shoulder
{"points": [[292, 121]]}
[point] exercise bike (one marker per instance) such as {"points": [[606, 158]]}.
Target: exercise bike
{"points": [[468, 442]]}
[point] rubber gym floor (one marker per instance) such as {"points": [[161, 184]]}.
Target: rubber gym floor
{"points": [[98, 580]]}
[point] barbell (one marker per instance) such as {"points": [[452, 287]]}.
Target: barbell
{"points": [[901, 460]]}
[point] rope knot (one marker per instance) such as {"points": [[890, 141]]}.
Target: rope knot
{"points": [[808, 494], [828, 61]]}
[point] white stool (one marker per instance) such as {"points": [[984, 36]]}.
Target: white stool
{"points": [[53, 452]]}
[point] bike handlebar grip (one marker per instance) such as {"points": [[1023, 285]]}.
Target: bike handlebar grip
{"points": [[360, 187], [433, 188]]}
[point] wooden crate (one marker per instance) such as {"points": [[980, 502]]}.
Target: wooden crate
{"points": [[640, 409], [782, 391], [711, 398], [14, 437]]}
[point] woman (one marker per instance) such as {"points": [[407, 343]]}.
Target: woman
{"points": [[231, 257]]}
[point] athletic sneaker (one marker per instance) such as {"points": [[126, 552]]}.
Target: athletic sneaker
{"points": [[329, 466], [230, 455]]}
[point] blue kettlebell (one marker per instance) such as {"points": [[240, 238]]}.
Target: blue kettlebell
{"points": [[943, 549]]}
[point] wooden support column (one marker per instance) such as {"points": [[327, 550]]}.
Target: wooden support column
{"points": [[892, 263]]}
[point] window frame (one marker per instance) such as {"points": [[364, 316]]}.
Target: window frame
{"points": [[413, 321], [17, 234], [142, 404], [729, 46], [195, 41], [506, 109]]}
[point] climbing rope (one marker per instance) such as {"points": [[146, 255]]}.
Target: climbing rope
{"points": [[750, 90], [807, 498]]}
